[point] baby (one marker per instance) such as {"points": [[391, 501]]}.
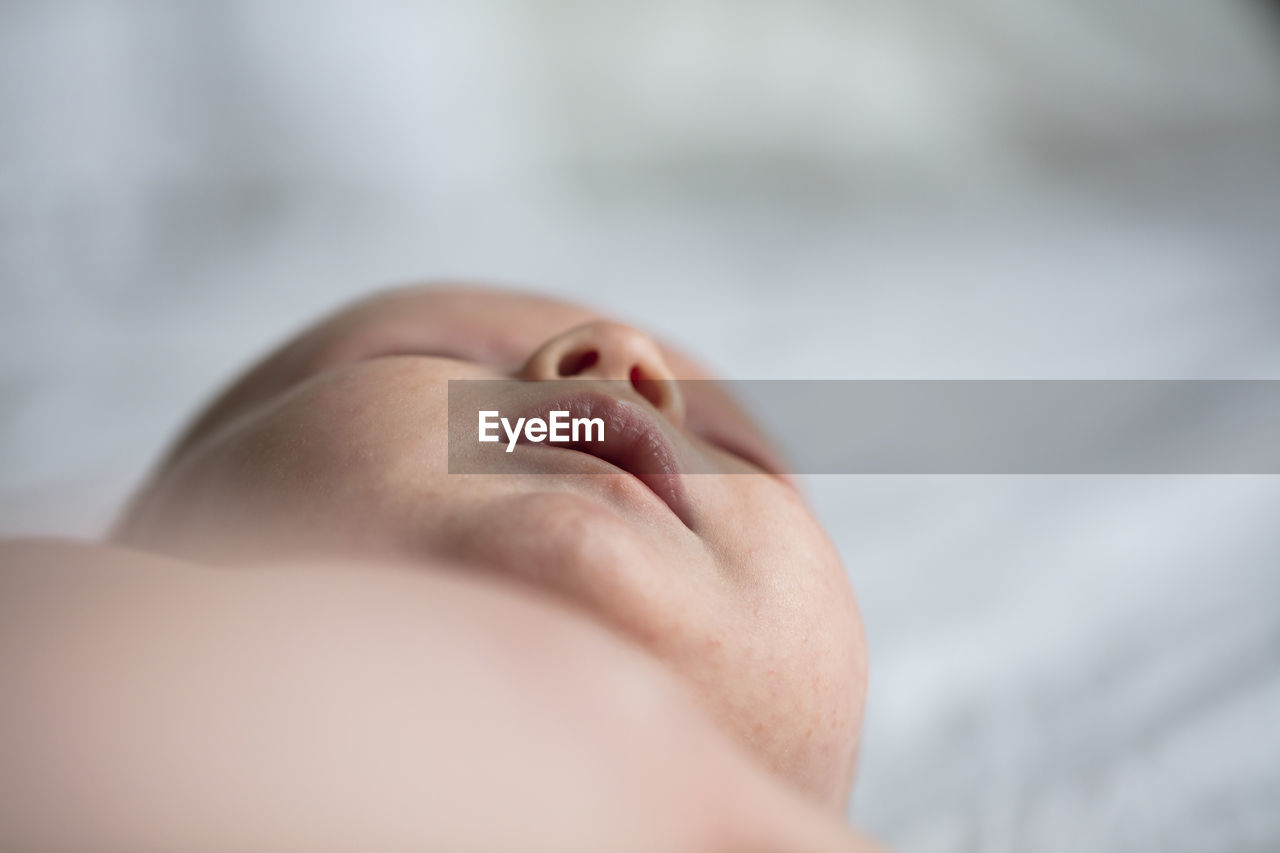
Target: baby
{"points": [[576, 653]]}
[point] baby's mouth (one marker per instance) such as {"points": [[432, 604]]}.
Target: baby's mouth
{"points": [[634, 443]]}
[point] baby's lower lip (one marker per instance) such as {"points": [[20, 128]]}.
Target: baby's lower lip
{"points": [[634, 445]]}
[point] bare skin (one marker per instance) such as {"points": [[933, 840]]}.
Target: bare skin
{"points": [[153, 704], [311, 635]]}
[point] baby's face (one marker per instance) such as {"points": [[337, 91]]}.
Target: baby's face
{"points": [[337, 445]]}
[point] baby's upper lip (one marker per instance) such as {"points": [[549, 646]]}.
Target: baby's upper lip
{"points": [[633, 441]]}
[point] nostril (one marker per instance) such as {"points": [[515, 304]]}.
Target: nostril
{"points": [[650, 389], [575, 362]]}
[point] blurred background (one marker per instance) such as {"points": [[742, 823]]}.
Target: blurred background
{"points": [[805, 189]]}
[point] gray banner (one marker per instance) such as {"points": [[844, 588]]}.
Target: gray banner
{"points": [[891, 427]]}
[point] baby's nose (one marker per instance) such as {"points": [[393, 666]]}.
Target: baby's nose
{"points": [[604, 350]]}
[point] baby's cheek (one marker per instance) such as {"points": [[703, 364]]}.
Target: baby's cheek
{"points": [[799, 677], [764, 536]]}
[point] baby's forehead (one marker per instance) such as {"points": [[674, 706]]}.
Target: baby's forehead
{"points": [[511, 323]]}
